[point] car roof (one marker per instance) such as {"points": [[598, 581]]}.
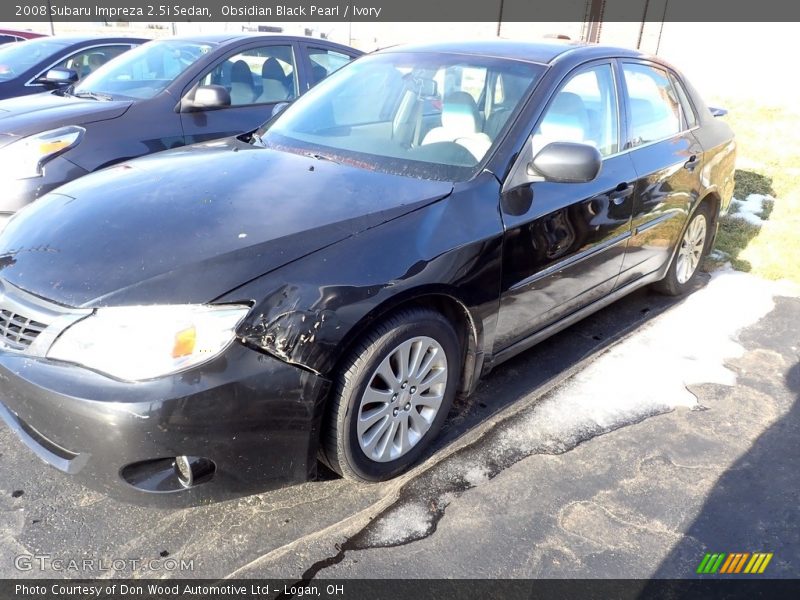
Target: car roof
{"points": [[67, 40], [221, 38], [536, 52], [22, 33]]}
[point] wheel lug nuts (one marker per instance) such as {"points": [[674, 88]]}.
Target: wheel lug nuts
{"points": [[395, 412], [394, 398], [413, 389], [405, 385], [407, 406]]}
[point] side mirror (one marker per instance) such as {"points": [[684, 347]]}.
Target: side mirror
{"points": [[717, 112], [278, 108], [566, 162], [207, 97], [60, 76]]}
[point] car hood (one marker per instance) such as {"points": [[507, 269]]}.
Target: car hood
{"points": [[27, 115], [189, 225]]}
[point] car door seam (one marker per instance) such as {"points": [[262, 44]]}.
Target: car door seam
{"points": [[572, 260]]}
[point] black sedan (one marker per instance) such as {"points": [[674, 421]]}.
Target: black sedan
{"points": [[162, 95], [49, 63], [207, 321]]}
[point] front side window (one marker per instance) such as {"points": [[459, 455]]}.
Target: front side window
{"points": [[410, 113], [88, 61], [257, 76], [144, 71], [654, 106], [324, 62], [584, 111]]}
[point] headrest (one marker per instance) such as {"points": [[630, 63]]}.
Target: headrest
{"points": [[271, 69], [570, 104], [319, 72], [460, 112], [566, 120], [240, 73], [642, 111]]}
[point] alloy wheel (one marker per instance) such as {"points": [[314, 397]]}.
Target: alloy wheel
{"points": [[402, 399], [691, 250]]}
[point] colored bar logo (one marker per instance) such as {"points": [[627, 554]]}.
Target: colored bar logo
{"points": [[737, 562]]}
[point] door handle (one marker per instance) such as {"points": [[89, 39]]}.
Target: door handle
{"points": [[622, 191], [690, 164]]}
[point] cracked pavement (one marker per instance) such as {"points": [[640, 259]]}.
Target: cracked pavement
{"points": [[626, 446]]}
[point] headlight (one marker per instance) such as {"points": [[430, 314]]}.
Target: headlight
{"points": [[24, 158], [142, 342]]}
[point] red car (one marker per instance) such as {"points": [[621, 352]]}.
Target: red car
{"points": [[13, 35]]}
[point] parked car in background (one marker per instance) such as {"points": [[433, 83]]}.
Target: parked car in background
{"points": [[8, 36], [200, 323], [49, 63], [161, 95]]}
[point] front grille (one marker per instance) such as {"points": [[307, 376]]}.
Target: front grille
{"points": [[18, 331]]}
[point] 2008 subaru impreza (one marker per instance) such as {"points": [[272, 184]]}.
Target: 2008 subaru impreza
{"points": [[209, 321]]}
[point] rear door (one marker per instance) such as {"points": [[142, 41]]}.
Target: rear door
{"points": [[565, 242], [258, 76], [668, 161]]}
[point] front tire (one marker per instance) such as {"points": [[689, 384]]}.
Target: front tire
{"points": [[692, 249], [392, 396]]}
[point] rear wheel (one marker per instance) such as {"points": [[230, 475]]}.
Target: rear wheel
{"points": [[392, 396], [692, 249]]}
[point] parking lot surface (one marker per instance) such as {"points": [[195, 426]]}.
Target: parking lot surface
{"points": [[627, 446]]}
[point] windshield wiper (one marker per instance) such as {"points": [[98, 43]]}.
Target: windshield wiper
{"points": [[318, 156], [93, 96], [256, 140]]}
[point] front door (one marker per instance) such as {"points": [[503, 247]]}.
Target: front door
{"points": [[257, 79], [565, 242]]}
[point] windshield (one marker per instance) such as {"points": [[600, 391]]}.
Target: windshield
{"points": [[144, 71], [427, 115], [15, 59]]}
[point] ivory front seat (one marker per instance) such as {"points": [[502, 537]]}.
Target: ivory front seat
{"points": [[242, 89], [273, 82], [460, 119], [566, 121]]}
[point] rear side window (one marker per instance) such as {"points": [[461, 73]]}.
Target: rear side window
{"points": [[324, 62], [689, 117], [655, 109]]}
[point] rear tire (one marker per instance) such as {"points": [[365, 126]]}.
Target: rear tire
{"points": [[392, 396], [692, 249]]}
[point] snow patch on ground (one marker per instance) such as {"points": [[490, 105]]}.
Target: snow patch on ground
{"points": [[650, 371], [719, 255], [751, 209], [404, 522]]}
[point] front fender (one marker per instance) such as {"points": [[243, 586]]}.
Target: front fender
{"points": [[307, 312]]}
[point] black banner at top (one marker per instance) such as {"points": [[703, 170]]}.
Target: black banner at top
{"points": [[400, 10]]}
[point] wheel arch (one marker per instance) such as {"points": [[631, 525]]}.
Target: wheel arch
{"points": [[711, 197], [468, 328]]}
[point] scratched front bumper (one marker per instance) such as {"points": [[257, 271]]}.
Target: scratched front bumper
{"points": [[256, 417]]}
